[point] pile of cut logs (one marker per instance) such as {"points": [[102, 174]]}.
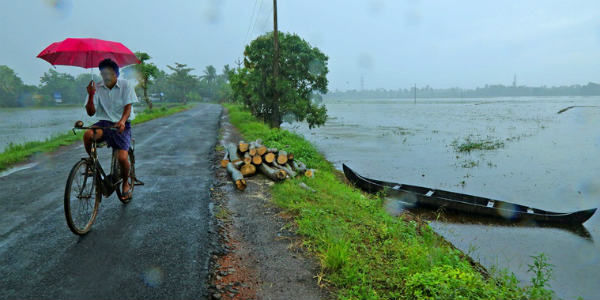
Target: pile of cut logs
{"points": [[245, 159]]}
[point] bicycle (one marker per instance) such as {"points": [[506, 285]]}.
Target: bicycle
{"points": [[88, 173]]}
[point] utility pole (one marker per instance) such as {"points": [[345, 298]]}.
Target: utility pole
{"points": [[275, 116], [415, 93], [362, 83]]}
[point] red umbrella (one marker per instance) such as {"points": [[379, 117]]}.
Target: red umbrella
{"points": [[87, 53]]}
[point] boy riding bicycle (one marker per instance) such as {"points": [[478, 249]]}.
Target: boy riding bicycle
{"points": [[114, 100]]}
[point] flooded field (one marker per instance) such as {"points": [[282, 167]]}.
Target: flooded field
{"points": [[20, 125], [534, 156]]}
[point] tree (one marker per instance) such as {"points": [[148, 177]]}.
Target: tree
{"points": [[302, 76], [181, 81], [161, 84], [63, 83], [10, 87], [145, 72], [210, 75]]}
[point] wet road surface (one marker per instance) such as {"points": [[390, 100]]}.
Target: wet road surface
{"points": [[156, 247]]}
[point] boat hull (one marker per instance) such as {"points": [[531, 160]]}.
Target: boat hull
{"points": [[463, 203]]}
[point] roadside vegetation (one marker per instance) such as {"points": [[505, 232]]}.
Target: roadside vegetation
{"points": [[366, 253]]}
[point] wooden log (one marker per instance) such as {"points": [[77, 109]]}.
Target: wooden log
{"points": [[232, 150], [260, 148], [273, 173], [310, 173], [247, 158], [252, 149], [248, 169], [243, 146], [288, 167], [269, 157], [306, 187], [225, 159], [289, 171], [272, 150], [282, 157], [238, 164], [290, 156], [236, 176], [257, 159], [298, 166]]}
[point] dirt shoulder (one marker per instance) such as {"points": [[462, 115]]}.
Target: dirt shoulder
{"points": [[260, 256]]}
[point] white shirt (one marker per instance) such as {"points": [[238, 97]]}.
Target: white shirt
{"points": [[109, 103]]}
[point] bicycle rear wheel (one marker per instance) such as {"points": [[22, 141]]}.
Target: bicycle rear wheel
{"points": [[130, 179], [82, 197]]}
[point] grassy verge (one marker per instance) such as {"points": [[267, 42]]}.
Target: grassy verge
{"points": [[364, 252], [18, 153]]}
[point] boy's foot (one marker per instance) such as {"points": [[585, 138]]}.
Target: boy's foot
{"points": [[126, 191]]}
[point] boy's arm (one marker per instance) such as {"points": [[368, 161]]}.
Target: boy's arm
{"points": [[124, 117], [89, 106]]}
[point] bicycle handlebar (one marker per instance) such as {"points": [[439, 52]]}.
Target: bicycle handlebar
{"points": [[79, 125]]}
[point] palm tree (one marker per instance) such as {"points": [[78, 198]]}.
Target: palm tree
{"points": [[210, 74]]}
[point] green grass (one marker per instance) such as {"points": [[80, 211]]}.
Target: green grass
{"points": [[15, 153], [364, 252], [471, 143]]}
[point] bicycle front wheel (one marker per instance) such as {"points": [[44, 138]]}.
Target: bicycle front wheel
{"points": [[82, 197]]}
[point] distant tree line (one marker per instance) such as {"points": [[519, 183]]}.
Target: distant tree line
{"points": [[178, 84], [497, 90]]}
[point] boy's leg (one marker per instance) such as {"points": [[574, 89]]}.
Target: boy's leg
{"points": [[123, 158], [88, 137]]}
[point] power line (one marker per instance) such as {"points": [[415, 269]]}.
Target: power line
{"points": [[257, 14], [251, 21]]}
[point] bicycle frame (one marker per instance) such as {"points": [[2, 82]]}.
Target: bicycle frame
{"points": [[108, 186]]}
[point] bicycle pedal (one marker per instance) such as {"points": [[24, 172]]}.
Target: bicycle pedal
{"points": [[138, 182]]}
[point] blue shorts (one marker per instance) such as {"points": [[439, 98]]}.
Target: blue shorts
{"points": [[113, 138]]}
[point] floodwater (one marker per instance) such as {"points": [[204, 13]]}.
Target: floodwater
{"points": [[20, 125], [544, 160]]}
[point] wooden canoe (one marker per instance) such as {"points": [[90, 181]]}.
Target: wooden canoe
{"points": [[433, 198]]}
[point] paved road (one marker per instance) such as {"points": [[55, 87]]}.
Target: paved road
{"points": [[156, 247]]}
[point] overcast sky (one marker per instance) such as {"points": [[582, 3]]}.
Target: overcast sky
{"points": [[392, 44]]}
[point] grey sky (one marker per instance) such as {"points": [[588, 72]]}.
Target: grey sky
{"points": [[393, 44]]}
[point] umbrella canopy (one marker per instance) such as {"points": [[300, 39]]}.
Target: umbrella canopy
{"points": [[87, 53]]}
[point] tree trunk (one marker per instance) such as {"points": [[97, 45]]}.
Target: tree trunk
{"points": [[243, 146], [232, 150], [289, 171], [248, 169], [225, 159], [257, 159], [247, 158], [252, 149], [238, 164], [270, 157], [260, 148], [236, 176], [273, 173], [299, 166], [282, 157]]}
